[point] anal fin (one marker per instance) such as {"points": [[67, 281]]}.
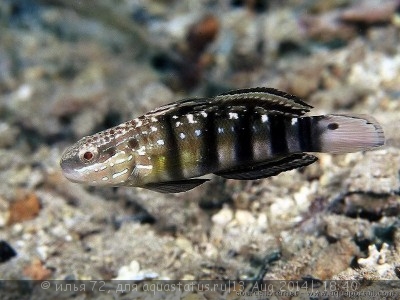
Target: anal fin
{"points": [[269, 168], [174, 186]]}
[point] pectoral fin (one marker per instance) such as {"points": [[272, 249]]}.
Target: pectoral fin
{"points": [[269, 168], [174, 186]]}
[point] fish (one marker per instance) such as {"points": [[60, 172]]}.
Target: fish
{"points": [[245, 134]]}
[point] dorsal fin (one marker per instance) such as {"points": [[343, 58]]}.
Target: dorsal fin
{"points": [[275, 101], [268, 98]]}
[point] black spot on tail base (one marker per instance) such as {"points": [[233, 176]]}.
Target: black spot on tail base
{"points": [[333, 126]]}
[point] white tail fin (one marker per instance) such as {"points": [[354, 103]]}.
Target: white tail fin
{"points": [[349, 133]]}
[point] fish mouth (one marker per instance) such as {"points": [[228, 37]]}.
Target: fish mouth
{"points": [[70, 173]]}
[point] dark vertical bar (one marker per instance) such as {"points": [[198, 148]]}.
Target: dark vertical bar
{"points": [[173, 157], [244, 136], [304, 133], [210, 161], [277, 131]]}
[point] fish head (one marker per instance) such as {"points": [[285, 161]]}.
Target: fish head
{"points": [[98, 164]]}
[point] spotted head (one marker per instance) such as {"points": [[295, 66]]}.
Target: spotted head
{"points": [[104, 159]]}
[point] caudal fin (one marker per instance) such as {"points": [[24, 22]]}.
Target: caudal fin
{"points": [[349, 133]]}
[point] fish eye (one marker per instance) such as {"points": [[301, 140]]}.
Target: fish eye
{"points": [[333, 126], [88, 155]]}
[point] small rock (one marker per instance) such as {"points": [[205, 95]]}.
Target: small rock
{"points": [[282, 208], [242, 200], [6, 252], [262, 221], [20, 176], [370, 13], [188, 277], [377, 172], [244, 217], [372, 208], [8, 135], [184, 244], [340, 96], [343, 251], [37, 271], [43, 251], [202, 33], [301, 197], [4, 212], [383, 39], [35, 179], [302, 85], [133, 272], [24, 209], [223, 217], [327, 27]]}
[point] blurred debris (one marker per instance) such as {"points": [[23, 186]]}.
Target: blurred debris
{"points": [[327, 28], [258, 6], [376, 173], [133, 272], [371, 12], [201, 34], [25, 208], [370, 206], [37, 271], [8, 135], [185, 66], [373, 267], [103, 12]]}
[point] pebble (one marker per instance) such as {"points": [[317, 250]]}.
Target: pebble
{"points": [[223, 217], [184, 244], [301, 197], [43, 252], [282, 208], [4, 212], [6, 251], [8, 134], [302, 85], [242, 200], [244, 218], [376, 172], [262, 221], [376, 69], [133, 272], [37, 270], [370, 12], [25, 208]]}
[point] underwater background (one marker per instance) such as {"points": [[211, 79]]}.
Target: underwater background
{"points": [[72, 68]]}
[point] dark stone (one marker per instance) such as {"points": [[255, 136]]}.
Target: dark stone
{"points": [[6, 252]]}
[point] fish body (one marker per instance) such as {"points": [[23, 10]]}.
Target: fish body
{"points": [[244, 134]]}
